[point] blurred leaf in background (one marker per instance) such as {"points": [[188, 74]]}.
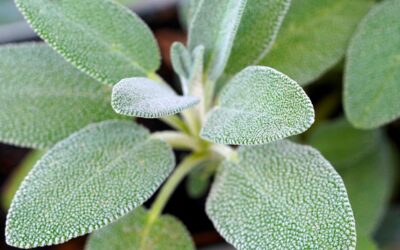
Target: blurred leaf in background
{"points": [[13, 183], [9, 12], [388, 234]]}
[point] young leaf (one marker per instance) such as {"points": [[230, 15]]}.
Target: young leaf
{"points": [[372, 89], [86, 181], [189, 67], [281, 196], [17, 177], [258, 106], [100, 37], [44, 99], [244, 27], [368, 165], [167, 233], [314, 37], [182, 63], [146, 98]]}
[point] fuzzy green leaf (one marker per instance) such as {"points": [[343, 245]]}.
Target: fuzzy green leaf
{"points": [[44, 99], [372, 89], [258, 106], [281, 196], [245, 27], [86, 181], [167, 233], [189, 67], [100, 37], [314, 37], [18, 176], [146, 98], [368, 165]]}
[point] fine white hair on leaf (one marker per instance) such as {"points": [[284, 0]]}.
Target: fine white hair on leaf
{"points": [[87, 181], [142, 97], [258, 106], [281, 196]]}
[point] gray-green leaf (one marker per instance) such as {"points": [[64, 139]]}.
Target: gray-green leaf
{"points": [[246, 28], [257, 31], [167, 233], [100, 37], [258, 106], [44, 99], [372, 77], [86, 181], [281, 196], [146, 98], [367, 165], [314, 37]]}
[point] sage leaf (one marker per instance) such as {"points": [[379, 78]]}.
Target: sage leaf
{"points": [[258, 106], [109, 45], [244, 27], [146, 98], [259, 25], [340, 143], [85, 182], [167, 233], [18, 176], [372, 89], [368, 167], [314, 37], [44, 99], [281, 196], [182, 63], [189, 67]]}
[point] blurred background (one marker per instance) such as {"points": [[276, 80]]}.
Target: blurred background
{"points": [[367, 160]]}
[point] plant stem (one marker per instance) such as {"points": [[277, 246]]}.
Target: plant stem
{"points": [[176, 123], [180, 172], [178, 140], [225, 151]]}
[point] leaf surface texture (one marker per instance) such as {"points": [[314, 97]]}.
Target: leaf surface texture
{"points": [[44, 99], [100, 37], [166, 233], [281, 196], [86, 181], [258, 106], [146, 98]]}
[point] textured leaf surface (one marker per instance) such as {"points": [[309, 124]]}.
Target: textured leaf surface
{"points": [[109, 45], [146, 98], [86, 181], [368, 165], [18, 176], [44, 99], [258, 106], [372, 77], [167, 233], [314, 37], [281, 196], [246, 28]]}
